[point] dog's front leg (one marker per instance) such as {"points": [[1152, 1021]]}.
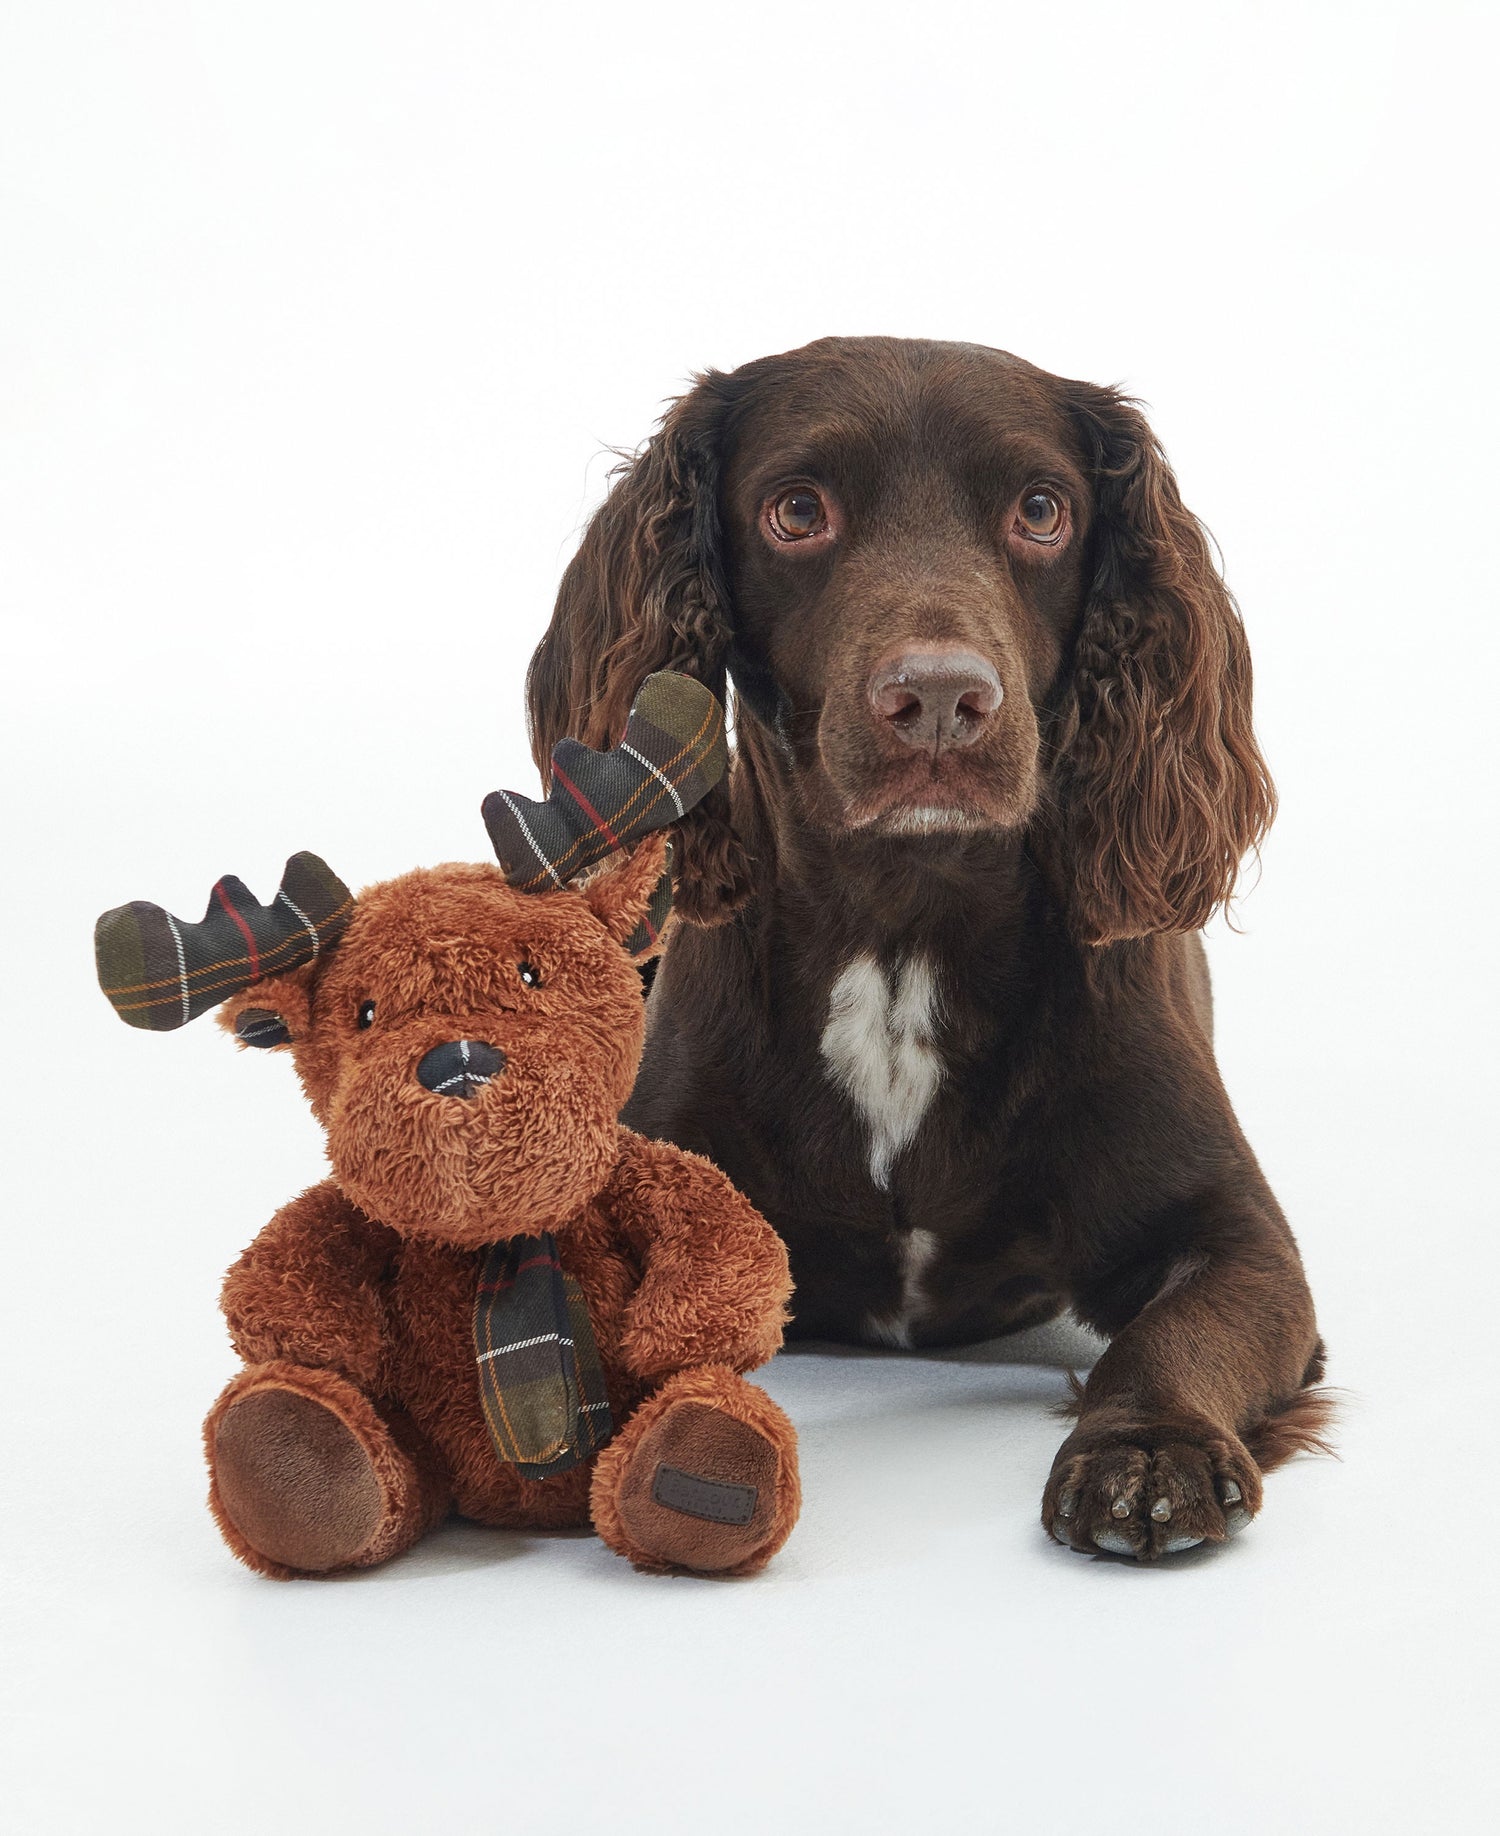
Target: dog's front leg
{"points": [[1200, 1392]]}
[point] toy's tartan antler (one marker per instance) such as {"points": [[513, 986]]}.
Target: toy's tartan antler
{"points": [[159, 972], [673, 752]]}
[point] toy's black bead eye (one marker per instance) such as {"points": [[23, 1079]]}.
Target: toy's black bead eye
{"points": [[530, 975], [366, 1015]]}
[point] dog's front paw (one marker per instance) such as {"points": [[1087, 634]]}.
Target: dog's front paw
{"points": [[1149, 1490]]}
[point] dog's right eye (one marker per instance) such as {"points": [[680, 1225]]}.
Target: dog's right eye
{"points": [[365, 1018], [1041, 517], [797, 514]]}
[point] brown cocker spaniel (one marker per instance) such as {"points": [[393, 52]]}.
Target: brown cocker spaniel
{"points": [[939, 1008]]}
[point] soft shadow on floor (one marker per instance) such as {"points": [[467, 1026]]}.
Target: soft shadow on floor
{"points": [[1060, 1344], [458, 1547]]}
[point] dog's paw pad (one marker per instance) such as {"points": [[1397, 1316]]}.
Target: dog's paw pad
{"points": [[1147, 1493], [1114, 1542]]}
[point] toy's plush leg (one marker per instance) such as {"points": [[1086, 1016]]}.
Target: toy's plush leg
{"points": [[702, 1478], [307, 1476]]}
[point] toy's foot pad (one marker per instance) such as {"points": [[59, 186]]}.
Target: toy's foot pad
{"points": [[715, 1501], [700, 1490], [296, 1481]]}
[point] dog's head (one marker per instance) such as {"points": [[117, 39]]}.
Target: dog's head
{"points": [[956, 595]]}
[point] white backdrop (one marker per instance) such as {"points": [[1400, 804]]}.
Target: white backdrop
{"points": [[317, 322]]}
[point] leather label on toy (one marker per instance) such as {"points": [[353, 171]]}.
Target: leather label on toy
{"points": [[714, 1500]]}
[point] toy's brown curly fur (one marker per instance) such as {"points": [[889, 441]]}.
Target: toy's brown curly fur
{"points": [[357, 1422]]}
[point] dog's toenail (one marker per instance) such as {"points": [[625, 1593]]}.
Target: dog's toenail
{"points": [[1179, 1543], [1161, 1511], [1231, 1492], [1236, 1521], [1115, 1542], [1067, 1504], [1120, 1508]]}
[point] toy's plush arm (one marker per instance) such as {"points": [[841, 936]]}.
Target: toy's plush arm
{"points": [[716, 1283], [308, 1289]]}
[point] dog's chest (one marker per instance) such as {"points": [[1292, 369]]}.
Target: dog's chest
{"points": [[879, 1046]]}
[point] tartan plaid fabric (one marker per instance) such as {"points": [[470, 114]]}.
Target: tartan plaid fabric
{"points": [[673, 752], [645, 935], [159, 973], [540, 1383]]}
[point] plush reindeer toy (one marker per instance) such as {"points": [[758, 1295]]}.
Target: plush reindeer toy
{"points": [[502, 1302]]}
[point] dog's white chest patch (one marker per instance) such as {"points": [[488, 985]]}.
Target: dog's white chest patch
{"points": [[917, 1251], [879, 1046]]}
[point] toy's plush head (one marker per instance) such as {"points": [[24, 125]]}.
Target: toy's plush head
{"points": [[467, 1035], [468, 1047]]}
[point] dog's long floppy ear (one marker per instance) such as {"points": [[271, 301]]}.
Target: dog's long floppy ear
{"points": [[1160, 787], [645, 592]]}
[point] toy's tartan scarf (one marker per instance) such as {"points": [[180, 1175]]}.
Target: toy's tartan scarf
{"points": [[540, 1383]]}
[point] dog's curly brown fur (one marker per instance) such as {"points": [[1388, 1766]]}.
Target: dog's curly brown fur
{"points": [[357, 1422], [1026, 882]]}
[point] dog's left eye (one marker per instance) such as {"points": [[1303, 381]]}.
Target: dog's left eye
{"points": [[797, 514], [1041, 516], [529, 974]]}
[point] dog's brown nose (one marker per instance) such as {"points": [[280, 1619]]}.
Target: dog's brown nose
{"points": [[933, 699]]}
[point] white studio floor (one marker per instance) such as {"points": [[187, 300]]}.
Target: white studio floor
{"points": [[919, 1658]]}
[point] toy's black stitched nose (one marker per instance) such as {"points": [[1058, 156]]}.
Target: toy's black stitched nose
{"points": [[460, 1067]]}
